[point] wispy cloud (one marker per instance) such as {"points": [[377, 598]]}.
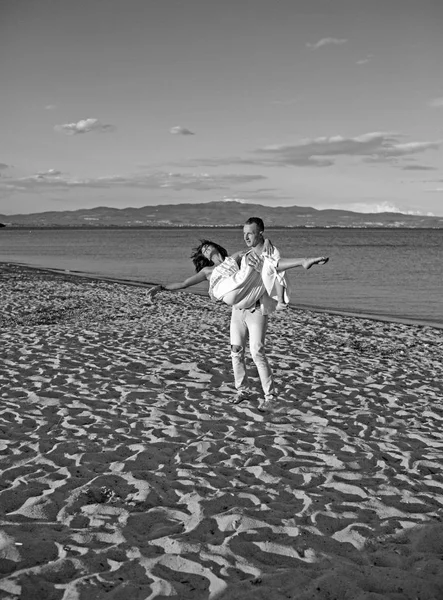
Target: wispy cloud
{"points": [[326, 42], [179, 130], [374, 147], [377, 207], [263, 161], [417, 168], [55, 180], [436, 102], [50, 173], [380, 146], [365, 61], [241, 200], [409, 148], [377, 159], [222, 161], [3, 166], [84, 126], [50, 107]]}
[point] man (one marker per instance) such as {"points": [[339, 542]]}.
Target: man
{"points": [[248, 321], [253, 322]]}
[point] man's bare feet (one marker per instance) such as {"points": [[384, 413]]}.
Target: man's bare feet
{"points": [[320, 260], [281, 306], [240, 396]]}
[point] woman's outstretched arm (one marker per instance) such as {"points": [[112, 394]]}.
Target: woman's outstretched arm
{"points": [[190, 281]]}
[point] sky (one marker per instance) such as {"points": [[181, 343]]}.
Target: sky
{"points": [[322, 103]]}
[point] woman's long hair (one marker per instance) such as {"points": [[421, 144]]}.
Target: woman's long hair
{"points": [[200, 261]]}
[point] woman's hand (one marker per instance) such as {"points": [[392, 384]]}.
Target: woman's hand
{"points": [[268, 248], [154, 291]]}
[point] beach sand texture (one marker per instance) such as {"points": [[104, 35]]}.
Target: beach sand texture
{"points": [[128, 475]]}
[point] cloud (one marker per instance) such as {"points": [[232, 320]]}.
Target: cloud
{"points": [[224, 161], [285, 102], [48, 174], [409, 148], [84, 126], [55, 180], [364, 61], [374, 159], [240, 200], [50, 107], [376, 208], [254, 162], [326, 42], [374, 147], [179, 130], [436, 103], [3, 166], [418, 168]]}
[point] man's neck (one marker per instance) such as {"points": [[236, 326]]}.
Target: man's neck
{"points": [[258, 249]]}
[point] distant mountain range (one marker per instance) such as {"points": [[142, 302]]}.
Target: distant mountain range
{"points": [[216, 214]]}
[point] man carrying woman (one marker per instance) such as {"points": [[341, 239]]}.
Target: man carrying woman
{"points": [[253, 283]]}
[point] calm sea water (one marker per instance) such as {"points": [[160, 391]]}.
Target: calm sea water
{"points": [[394, 273]]}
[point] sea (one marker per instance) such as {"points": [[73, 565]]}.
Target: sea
{"points": [[390, 274]]}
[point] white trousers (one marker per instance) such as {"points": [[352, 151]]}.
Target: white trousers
{"points": [[253, 324]]}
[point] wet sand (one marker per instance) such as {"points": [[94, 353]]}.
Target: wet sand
{"points": [[127, 473]]}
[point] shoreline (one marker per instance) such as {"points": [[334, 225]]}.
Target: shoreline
{"points": [[206, 226], [332, 311], [128, 473]]}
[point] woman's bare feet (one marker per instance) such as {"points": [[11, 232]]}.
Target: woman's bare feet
{"points": [[320, 260]]}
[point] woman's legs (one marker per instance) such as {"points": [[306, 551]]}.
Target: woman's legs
{"points": [[245, 287], [241, 289], [289, 263]]}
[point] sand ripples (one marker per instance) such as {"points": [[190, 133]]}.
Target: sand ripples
{"points": [[128, 474]]}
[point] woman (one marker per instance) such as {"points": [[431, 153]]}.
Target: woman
{"points": [[244, 285]]}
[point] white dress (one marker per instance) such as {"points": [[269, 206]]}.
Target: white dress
{"points": [[243, 286]]}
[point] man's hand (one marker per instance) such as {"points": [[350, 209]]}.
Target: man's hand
{"points": [[254, 261]]}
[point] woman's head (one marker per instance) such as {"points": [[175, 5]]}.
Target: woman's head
{"points": [[200, 255]]}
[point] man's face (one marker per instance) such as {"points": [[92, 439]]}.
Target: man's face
{"points": [[252, 235]]}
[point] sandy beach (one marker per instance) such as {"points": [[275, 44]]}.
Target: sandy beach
{"points": [[128, 475]]}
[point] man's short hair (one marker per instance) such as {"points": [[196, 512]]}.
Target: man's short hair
{"points": [[257, 221]]}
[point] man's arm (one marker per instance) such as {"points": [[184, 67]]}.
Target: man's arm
{"points": [[237, 256], [268, 249], [255, 260]]}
